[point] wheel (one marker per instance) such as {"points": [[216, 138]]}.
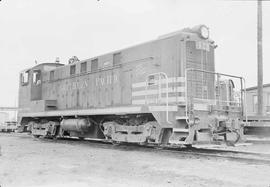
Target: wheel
{"points": [[116, 143]]}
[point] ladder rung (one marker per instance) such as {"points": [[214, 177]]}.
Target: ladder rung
{"points": [[181, 117], [177, 142], [180, 130]]}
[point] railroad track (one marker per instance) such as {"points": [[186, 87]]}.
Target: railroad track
{"points": [[239, 156], [191, 152]]}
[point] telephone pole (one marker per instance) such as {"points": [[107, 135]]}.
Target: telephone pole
{"points": [[259, 59]]}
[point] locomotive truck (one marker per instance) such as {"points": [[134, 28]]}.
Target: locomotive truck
{"points": [[162, 92]]}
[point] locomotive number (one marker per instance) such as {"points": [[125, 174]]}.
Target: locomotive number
{"points": [[202, 45]]}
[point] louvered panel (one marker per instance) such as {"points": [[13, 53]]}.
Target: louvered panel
{"points": [[200, 84]]}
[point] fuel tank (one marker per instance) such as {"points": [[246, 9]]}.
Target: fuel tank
{"points": [[78, 125]]}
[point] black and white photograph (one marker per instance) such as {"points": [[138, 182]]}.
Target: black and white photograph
{"points": [[135, 93]]}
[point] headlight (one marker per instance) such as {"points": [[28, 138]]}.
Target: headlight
{"points": [[204, 32]]}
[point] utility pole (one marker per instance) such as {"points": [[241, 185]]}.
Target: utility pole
{"points": [[259, 58]]}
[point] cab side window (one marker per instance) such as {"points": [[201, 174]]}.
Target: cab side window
{"points": [[83, 67], [116, 58], [51, 75], [72, 70], [36, 77], [24, 78], [94, 65]]}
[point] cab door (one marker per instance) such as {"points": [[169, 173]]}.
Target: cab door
{"points": [[36, 85]]}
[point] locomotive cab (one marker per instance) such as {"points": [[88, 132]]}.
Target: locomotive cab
{"points": [[31, 88]]}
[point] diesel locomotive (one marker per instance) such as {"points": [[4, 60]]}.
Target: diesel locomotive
{"points": [[162, 92]]}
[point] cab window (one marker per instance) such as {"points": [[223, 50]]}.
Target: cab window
{"points": [[83, 67], [94, 65], [72, 70], [116, 58], [36, 77], [24, 78], [51, 75]]}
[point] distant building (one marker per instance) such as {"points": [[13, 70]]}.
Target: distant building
{"points": [[252, 100], [3, 117]]}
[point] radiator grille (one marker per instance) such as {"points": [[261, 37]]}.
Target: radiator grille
{"points": [[200, 84]]}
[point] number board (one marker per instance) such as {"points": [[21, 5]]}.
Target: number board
{"points": [[202, 45]]}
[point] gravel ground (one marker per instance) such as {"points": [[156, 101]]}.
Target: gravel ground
{"points": [[26, 161]]}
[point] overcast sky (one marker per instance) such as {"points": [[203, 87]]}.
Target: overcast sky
{"points": [[43, 30]]}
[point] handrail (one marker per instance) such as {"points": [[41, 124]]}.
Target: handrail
{"points": [[200, 70], [243, 89], [186, 95], [159, 94], [245, 98]]}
